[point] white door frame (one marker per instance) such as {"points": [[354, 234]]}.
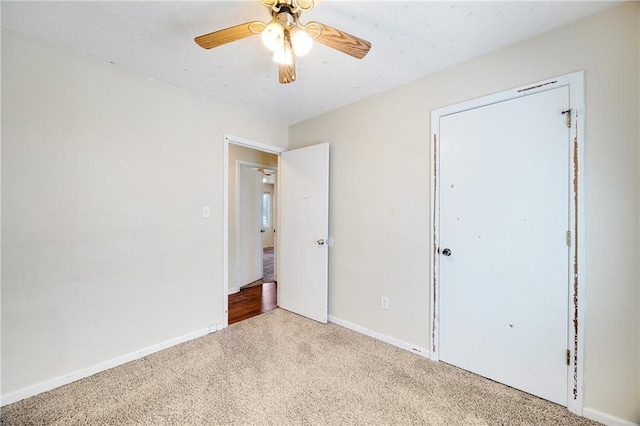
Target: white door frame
{"points": [[576, 274], [225, 214]]}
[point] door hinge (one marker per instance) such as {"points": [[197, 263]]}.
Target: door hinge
{"points": [[569, 238], [568, 357], [568, 114]]}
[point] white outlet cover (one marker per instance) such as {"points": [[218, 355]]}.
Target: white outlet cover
{"points": [[384, 302]]}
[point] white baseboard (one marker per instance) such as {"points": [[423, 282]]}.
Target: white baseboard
{"points": [[89, 371], [604, 418], [233, 290], [383, 337]]}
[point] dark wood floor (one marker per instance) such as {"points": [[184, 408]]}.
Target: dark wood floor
{"points": [[252, 301]]}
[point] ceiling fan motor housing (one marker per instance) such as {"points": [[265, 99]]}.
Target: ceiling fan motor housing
{"points": [[286, 18]]}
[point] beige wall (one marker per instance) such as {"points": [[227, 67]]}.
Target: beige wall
{"points": [[380, 193], [104, 175], [237, 152]]}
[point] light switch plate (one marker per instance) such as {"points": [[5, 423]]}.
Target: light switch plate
{"points": [[206, 212]]}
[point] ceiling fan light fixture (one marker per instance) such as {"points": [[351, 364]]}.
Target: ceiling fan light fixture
{"points": [[287, 37], [273, 36], [301, 41]]}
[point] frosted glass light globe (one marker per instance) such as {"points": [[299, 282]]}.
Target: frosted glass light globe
{"points": [[301, 41], [273, 36]]}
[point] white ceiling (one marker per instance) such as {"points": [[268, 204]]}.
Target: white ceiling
{"points": [[410, 39]]}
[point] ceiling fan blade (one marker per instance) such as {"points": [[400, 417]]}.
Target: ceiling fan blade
{"points": [[218, 38], [287, 73], [344, 42], [306, 5]]}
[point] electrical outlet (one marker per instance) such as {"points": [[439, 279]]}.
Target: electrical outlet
{"points": [[384, 302]]}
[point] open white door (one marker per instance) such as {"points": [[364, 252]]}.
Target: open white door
{"points": [[249, 222], [304, 230]]}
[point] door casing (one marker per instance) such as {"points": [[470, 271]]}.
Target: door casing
{"points": [[576, 273]]}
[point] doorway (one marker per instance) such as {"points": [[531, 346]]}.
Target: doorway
{"points": [[255, 222], [301, 266], [250, 220], [507, 281], [248, 225], [268, 219]]}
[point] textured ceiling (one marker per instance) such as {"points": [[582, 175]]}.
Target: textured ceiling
{"points": [[410, 39]]}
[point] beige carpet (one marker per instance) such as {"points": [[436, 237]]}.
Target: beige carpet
{"points": [[279, 369]]}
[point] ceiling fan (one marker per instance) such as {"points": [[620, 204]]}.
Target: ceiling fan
{"points": [[287, 37]]}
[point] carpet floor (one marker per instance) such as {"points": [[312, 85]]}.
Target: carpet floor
{"points": [[282, 369]]}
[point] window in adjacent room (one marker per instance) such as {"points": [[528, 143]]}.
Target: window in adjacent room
{"points": [[266, 210]]}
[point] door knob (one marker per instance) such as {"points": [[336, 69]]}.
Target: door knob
{"points": [[321, 242], [446, 252], [263, 231]]}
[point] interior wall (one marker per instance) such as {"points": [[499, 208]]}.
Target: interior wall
{"points": [[241, 153], [381, 226], [104, 176]]}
